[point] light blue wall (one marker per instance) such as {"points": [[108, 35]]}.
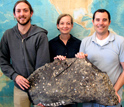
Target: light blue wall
{"points": [[45, 15]]}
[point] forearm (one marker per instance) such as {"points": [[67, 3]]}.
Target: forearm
{"points": [[120, 82], [9, 71], [5, 63]]}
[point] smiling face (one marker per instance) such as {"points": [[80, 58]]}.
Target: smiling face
{"points": [[65, 25], [101, 23], [22, 13]]}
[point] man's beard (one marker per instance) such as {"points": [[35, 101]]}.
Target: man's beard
{"points": [[23, 24]]}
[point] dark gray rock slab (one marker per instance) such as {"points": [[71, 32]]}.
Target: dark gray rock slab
{"points": [[69, 81]]}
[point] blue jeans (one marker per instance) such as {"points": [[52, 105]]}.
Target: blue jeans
{"points": [[97, 105]]}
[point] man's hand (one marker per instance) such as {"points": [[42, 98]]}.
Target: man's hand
{"points": [[22, 82], [119, 98], [41, 105], [81, 55], [60, 57]]}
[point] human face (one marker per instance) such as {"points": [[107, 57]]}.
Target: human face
{"points": [[65, 25], [22, 13], [101, 23]]}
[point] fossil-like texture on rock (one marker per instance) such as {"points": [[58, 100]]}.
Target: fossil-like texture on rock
{"points": [[69, 81]]}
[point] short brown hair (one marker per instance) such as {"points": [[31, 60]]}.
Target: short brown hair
{"points": [[63, 15], [102, 11], [25, 1]]}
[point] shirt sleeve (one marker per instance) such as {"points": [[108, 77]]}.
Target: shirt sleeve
{"points": [[121, 55], [42, 56], [82, 48], [5, 61]]}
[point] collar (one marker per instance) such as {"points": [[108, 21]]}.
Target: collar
{"points": [[71, 38], [111, 37]]}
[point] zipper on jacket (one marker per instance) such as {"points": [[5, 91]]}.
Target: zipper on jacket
{"points": [[22, 40]]}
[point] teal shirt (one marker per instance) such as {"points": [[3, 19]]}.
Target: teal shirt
{"points": [[107, 57]]}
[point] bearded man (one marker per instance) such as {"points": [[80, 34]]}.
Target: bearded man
{"points": [[23, 49]]}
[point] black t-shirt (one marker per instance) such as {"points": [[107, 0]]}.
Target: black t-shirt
{"points": [[57, 47]]}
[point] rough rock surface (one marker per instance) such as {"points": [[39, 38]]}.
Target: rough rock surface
{"points": [[69, 81]]}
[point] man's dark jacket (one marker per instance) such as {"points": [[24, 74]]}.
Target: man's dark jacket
{"points": [[22, 56]]}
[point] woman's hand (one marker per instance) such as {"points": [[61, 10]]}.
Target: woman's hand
{"points": [[60, 57]]}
